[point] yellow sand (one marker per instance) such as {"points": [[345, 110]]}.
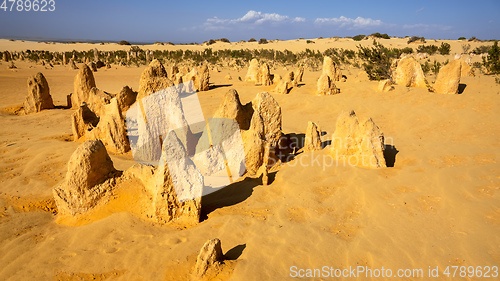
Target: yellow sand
{"points": [[439, 205]]}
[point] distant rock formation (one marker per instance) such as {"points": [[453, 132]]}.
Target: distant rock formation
{"points": [[331, 69], [408, 73], [448, 78], [210, 256], [358, 143], [253, 72], [265, 75], [300, 74], [83, 83], [203, 79], [88, 180], [38, 97], [312, 139], [385, 85], [153, 79]]}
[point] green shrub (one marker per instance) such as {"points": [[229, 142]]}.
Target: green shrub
{"points": [[309, 41], [225, 40], [473, 38], [263, 41], [425, 67], [429, 49], [444, 49], [435, 67], [358, 37], [378, 35], [252, 40], [461, 38], [123, 42], [465, 48], [415, 39], [483, 49], [211, 41], [492, 61]]}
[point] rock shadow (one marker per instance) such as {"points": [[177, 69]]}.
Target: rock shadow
{"points": [[213, 86], [230, 195], [235, 252], [461, 88]]}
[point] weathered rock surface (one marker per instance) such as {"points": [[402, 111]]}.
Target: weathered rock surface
{"points": [[38, 97], [83, 83], [126, 97], [331, 69], [153, 79], [253, 71], [385, 85], [466, 70], [326, 86], [111, 129], [448, 78], [97, 100], [300, 74], [265, 75], [259, 122], [312, 139], [408, 73], [179, 184], [203, 79], [88, 180], [210, 256], [83, 120], [358, 143]]}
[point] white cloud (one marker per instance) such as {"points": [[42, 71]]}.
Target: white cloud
{"points": [[250, 19], [426, 27], [420, 10], [342, 21]]}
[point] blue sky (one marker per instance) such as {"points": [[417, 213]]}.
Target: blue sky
{"points": [[198, 21]]}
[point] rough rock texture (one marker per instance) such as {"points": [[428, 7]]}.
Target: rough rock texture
{"points": [[150, 119], [192, 75], [385, 85], [92, 65], [83, 83], [178, 78], [283, 87], [312, 139], [259, 122], [88, 180], [203, 79], [409, 73], [6, 56], [126, 97], [173, 71], [179, 184], [111, 129], [300, 74], [232, 108], [265, 75], [97, 100], [153, 79], [64, 59], [210, 256], [38, 97], [466, 70], [331, 69], [253, 72], [326, 86], [72, 64], [83, 120], [448, 78], [358, 143]]}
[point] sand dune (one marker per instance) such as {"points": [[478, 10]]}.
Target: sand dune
{"points": [[438, 205]]}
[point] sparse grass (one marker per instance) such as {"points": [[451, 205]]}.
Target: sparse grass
{"points": [[483, 49], [378, 59], [429, 49], [415, 39], [465, 48]]}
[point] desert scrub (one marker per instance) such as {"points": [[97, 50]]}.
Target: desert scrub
{"points": [[415, 39], [492, 61], [378, 35], [429, 49], [444, 49], [358, 37], [123, 42], [263, 41]]}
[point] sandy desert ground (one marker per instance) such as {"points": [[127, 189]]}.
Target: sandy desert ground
{"points": [[438, 206]]}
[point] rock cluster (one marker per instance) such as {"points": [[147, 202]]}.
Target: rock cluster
{"points": [[38, 97], [259, 122], [358, 143], [331, 74], [153, 79]]}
